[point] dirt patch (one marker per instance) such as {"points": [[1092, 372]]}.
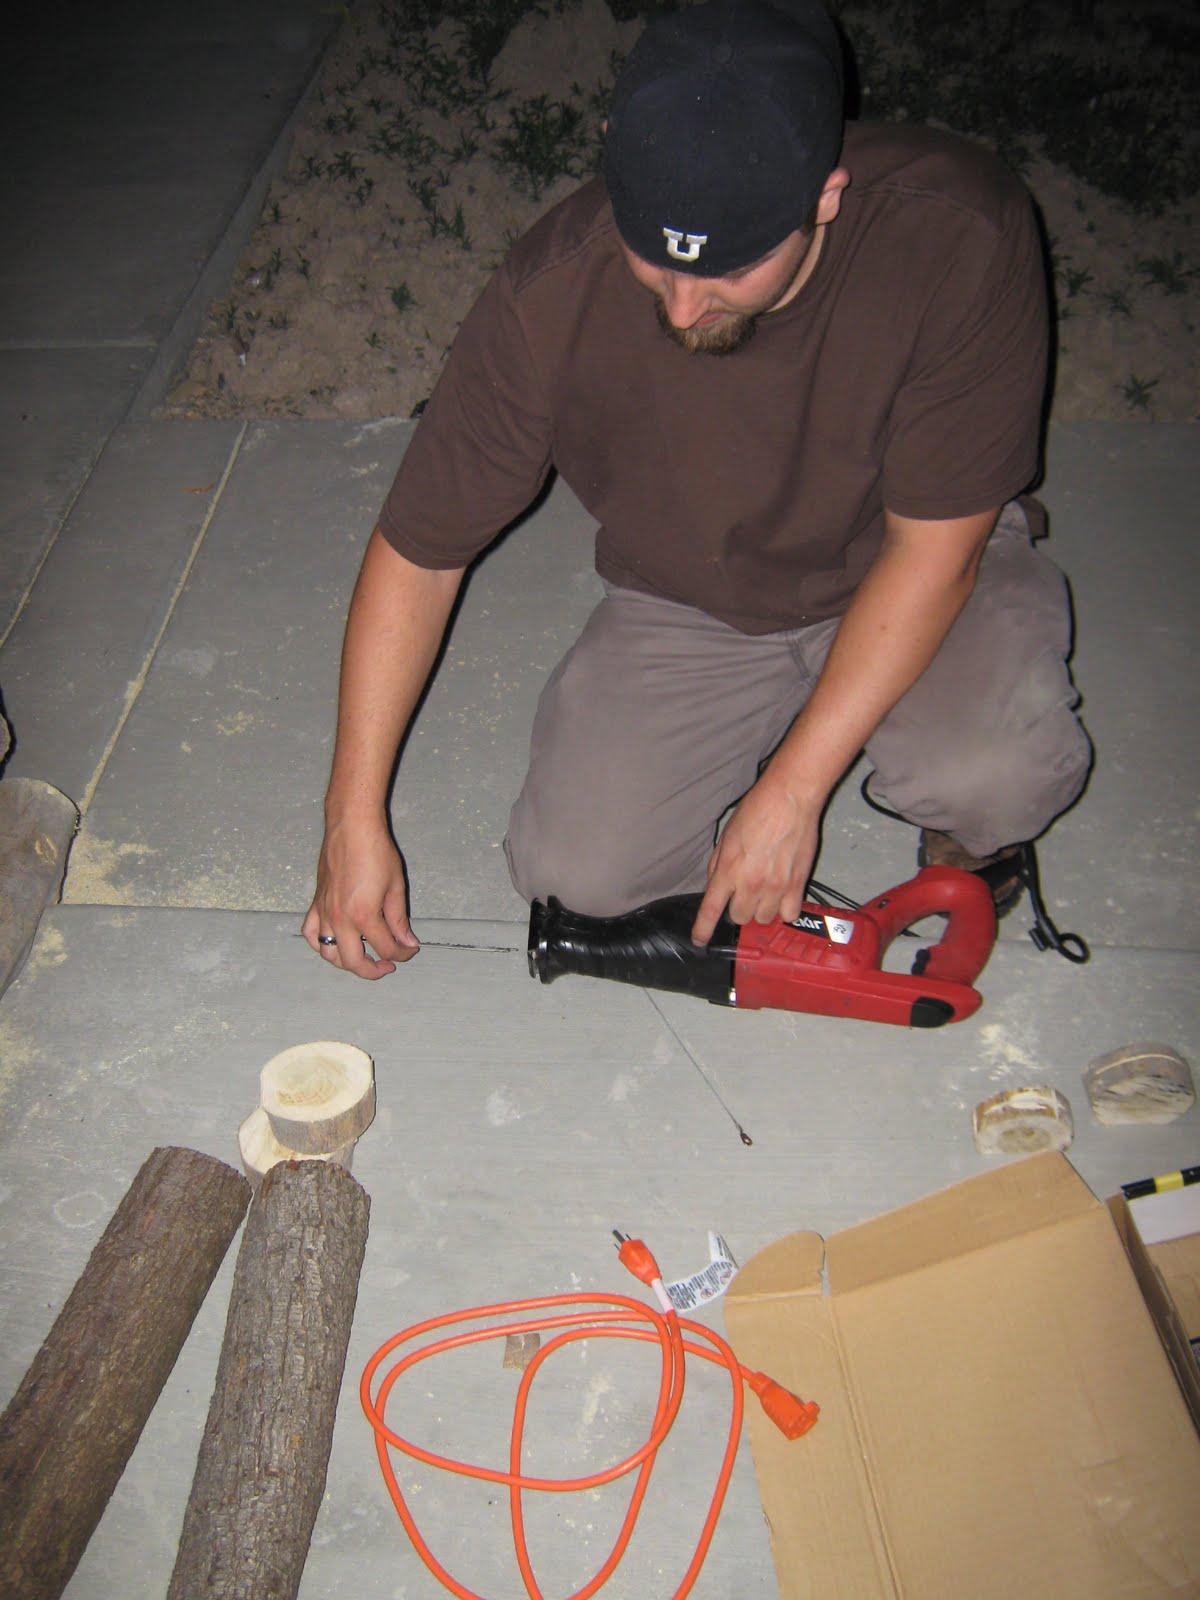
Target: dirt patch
{"points": [[420, 160]]}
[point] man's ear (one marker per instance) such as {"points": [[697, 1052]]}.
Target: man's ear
{"points": [[830, 202]]}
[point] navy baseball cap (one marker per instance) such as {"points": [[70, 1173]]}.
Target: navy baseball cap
{"points": [[726, 120]]}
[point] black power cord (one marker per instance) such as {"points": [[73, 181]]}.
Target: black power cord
{"points": [[1045, 936]]}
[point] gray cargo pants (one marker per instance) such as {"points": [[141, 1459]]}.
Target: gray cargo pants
{"points": [[659, 717]]}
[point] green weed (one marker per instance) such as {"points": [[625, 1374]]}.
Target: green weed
{"points": [[402, 297], [439, 225], [345, 165], [400, 139], [546, 139], [1108, 92], [465, 147], [1168, 273], [1137, 392], [439, 80], [264, 276]]}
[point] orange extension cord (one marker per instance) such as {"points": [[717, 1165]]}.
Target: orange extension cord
{"points": [[791, 1415]]}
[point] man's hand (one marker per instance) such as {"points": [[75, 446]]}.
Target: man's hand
{"points": [[892, 630], [360, 896], [761, 864]]}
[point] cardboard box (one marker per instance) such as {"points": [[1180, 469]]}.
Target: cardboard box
{"points": [[1178, 1263], [1000, 1416]]}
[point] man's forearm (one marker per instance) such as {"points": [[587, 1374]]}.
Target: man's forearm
{"points": [[892, 630], [397, 618]]}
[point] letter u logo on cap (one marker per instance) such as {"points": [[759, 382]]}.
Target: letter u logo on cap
{"points": [[676, 240]]}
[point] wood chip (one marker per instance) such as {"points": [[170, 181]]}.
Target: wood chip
{"points": [[520, 1349], [1023, 1121]]}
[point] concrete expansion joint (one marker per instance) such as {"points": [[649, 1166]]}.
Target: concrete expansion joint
{"points": [[137, 683]]}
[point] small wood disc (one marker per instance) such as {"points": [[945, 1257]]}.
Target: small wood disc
{"points": [[319, 1096], [1020, 1122], [1139, 1083], [261, 1150]]}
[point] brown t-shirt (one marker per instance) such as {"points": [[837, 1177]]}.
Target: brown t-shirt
{"points": [[908, 372]]}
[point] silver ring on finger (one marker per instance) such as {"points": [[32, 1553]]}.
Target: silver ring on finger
{"points": [[326, 939]]}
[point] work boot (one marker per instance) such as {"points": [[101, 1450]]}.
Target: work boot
{"points": [[1001, 871]]}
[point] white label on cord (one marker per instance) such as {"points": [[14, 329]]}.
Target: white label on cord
{"points": [[710, 1283]]}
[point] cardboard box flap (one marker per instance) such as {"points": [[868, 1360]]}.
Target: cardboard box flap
{"points": [[789, 1266], [1179, 1262], [998, 1416], [1161, 1304], [1038, 1192], [816, 1494], [1022, 1428]]}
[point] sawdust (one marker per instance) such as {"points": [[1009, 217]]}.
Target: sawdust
{"points": [[239, 722], [95, 866], [49, 950], [1005, 1053], [395, 209], [501, 1108], [18, 1056], [238, 888]]}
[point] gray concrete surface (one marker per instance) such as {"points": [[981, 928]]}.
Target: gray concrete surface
{"points": [[74, 658], [58, 406], [171, 603], [517, 1125], [133, 133]]}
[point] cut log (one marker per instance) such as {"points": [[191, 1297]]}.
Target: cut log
{"points": [[319, 1096], [261, 1150], [37, 824], [72, 1425], [261, 1470]]}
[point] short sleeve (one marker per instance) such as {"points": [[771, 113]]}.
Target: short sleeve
{"points": [[481, 451], [965, 425]]}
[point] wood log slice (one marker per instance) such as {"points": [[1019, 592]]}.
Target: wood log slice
{"points": [[1021, 1122], [1148, 1083], [319, 1096], [261, 1470], [260, 1150], [73, 1422]]}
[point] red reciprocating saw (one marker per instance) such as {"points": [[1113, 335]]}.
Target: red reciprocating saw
{"points": [[829, 962]]}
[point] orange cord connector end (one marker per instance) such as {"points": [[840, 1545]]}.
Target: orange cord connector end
{"points": [[634, 1255], [791, 1415]]}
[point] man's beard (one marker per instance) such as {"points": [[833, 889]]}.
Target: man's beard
{"points": [[733, 332]]}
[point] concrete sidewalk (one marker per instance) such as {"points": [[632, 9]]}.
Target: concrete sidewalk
{"points": [[138, 139], [175, 595]]}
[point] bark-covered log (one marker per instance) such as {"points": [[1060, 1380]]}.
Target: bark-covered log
{"points": [[261, 1470], [37, 824], [72, 1425]]}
